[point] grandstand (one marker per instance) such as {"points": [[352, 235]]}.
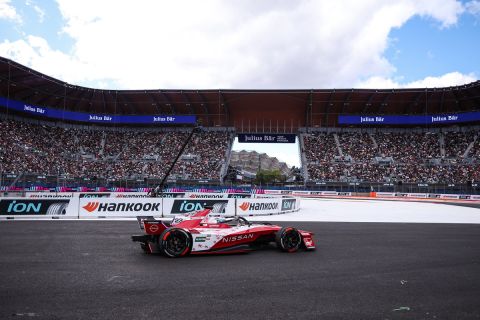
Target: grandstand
{"points": [[54, 133]]}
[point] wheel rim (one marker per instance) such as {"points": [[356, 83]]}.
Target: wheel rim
{"points": [[176, 243], [291, 240]]}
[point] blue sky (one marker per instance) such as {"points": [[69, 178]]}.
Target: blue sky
{"points": [[420, 48], [212, 44]]}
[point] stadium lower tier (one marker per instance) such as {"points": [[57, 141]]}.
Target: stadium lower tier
{"points": [[447, 156]]}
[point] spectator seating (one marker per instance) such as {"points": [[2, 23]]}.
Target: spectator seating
{"points": [[450, 157], [49, 150]]}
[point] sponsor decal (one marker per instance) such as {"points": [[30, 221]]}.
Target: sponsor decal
{"points": [[201, 239], [121, 207], [91, 206], [272, 191], [266, 138], [288, 204], [258, 206], [385, 194], [244, 206], [329, 193], [449, 196], [410, 119], [33, 207], [173, 195], [238, 238], [47, 196], [417, 195], [153, 228], [94, 195], [131, 196], [177, 220], [22, 207], [88, 117], [239, 196], [185, 206], [206, 196]]}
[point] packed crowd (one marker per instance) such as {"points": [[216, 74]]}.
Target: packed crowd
{"points": [[451, 157], [410, 157], [457, 143], [48, 150]]}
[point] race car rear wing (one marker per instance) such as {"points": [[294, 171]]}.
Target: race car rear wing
{"points": [[141, 219], [152, 226]]}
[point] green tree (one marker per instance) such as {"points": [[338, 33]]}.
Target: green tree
{"points": [[269, 177]]}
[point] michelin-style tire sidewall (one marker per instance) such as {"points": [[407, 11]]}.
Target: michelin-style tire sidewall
{"points": [[57, 209]]}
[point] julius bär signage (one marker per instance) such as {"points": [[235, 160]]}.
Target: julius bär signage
{"points": [[266, 138]]}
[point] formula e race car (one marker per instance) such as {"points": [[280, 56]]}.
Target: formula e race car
{"points": [[200, 232]]}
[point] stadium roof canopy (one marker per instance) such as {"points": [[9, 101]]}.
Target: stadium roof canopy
{"points": [[247, 110]]}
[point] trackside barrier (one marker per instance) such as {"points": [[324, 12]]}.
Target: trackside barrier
{"points": [[373, 194], [185, 205], [384, 195], [38, 208], [196, 195], [120, 207], [417, 195]]}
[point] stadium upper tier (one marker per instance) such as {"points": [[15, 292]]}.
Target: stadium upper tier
{"points": [[246, 110]]}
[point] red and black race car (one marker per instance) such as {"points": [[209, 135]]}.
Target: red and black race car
{"points": [[201, 233]]}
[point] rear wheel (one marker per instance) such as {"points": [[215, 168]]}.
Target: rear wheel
{"points": [[288, 239], [175, 242]]}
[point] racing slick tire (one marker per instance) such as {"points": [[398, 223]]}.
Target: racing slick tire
{"points": [[175, 242], [288, 239]]}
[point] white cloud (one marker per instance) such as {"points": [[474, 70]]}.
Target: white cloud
{"points": [[473, 7], [446, 80], [227, 44], [35, 52], [40, 12], [8, 12]]}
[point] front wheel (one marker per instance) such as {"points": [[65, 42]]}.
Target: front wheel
{"points": [[175, 242], [288, 239]]}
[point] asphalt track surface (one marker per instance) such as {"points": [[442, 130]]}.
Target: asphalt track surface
{"points": [[91, 270]]}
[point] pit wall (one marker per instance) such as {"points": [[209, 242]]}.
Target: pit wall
{"points": [[38, 205]]}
